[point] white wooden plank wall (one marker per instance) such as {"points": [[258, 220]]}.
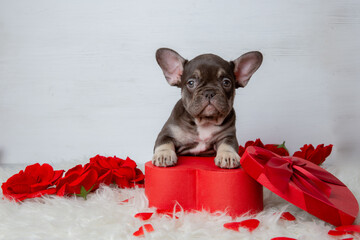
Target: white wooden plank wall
{"points": [[79, 77]]}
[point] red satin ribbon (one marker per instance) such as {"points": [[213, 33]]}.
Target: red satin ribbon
{"points": [[282, 170]]}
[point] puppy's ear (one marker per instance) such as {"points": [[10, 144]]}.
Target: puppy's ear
{"points": [[172, 65], [245, 66]]}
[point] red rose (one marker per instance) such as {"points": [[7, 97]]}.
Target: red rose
{"points": [[77, 179], [35, 181], [279, 149], [313, 155], [124, 173], [257, 143]]}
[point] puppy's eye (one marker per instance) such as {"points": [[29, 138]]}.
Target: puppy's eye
{"points": [[191, 83], [226, 82]]}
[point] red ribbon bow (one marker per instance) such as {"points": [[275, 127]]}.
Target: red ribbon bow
{"points": [[281, 171]]}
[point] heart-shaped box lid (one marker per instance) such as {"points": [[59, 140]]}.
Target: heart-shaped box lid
{"points": [[303, 184]]}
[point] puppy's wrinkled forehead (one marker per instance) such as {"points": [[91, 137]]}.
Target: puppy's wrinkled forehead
{"points": [[207, 65]]}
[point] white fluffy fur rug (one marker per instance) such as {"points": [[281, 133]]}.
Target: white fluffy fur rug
{"points": [[105, 216]]}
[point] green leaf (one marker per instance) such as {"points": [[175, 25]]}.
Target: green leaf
{"points": [[282, 146], [84, 192]]}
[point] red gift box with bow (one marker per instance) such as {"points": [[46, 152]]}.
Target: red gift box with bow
{"points": [[303, 184]]}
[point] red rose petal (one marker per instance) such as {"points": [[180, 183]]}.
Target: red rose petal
{"points": [[63, 184], [46, 172], [327, 150], [126, 200], [139, 176], [308, 150], [126, 172], [250, 224], [115, 162], [283, 238], [86, 180], [61, 191], [75, 170], [232, 226], [276, 149], [32, 169], [140, 231], [39, 186], [149, 228], [106, 178], [305, 151], [317, 156], [287, 216], [257, 143], [144, 216], [57, 175], [19, 188], [129, 163], [122, 182], [349, 228], [101, 161], [337, 233]]}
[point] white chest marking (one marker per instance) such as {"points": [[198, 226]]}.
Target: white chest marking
{"points": [[201, 147], [203, 138], [205, 135]]}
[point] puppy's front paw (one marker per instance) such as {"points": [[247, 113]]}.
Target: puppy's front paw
{"points": [[164, 157], [226, 157]]}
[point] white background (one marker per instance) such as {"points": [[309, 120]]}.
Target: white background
{"points": [[79, 77]]}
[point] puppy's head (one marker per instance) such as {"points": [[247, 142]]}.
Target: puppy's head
{"points": [[207, 82]]}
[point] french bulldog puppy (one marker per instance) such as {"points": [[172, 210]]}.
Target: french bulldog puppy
{"points": [[202, 122]]}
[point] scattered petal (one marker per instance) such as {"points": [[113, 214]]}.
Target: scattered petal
{"points": [[337, 233], [287, 216], [283, 238], [126, 200], [250, 224], [149, 227], [144, 216], [349, 228], [232, 226], [140, 231]]}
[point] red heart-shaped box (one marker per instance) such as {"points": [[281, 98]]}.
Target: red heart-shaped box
{"points": [[303, 184], [195, 183]]}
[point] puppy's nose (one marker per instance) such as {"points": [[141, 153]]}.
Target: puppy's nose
{"points": [[209, 94]]}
